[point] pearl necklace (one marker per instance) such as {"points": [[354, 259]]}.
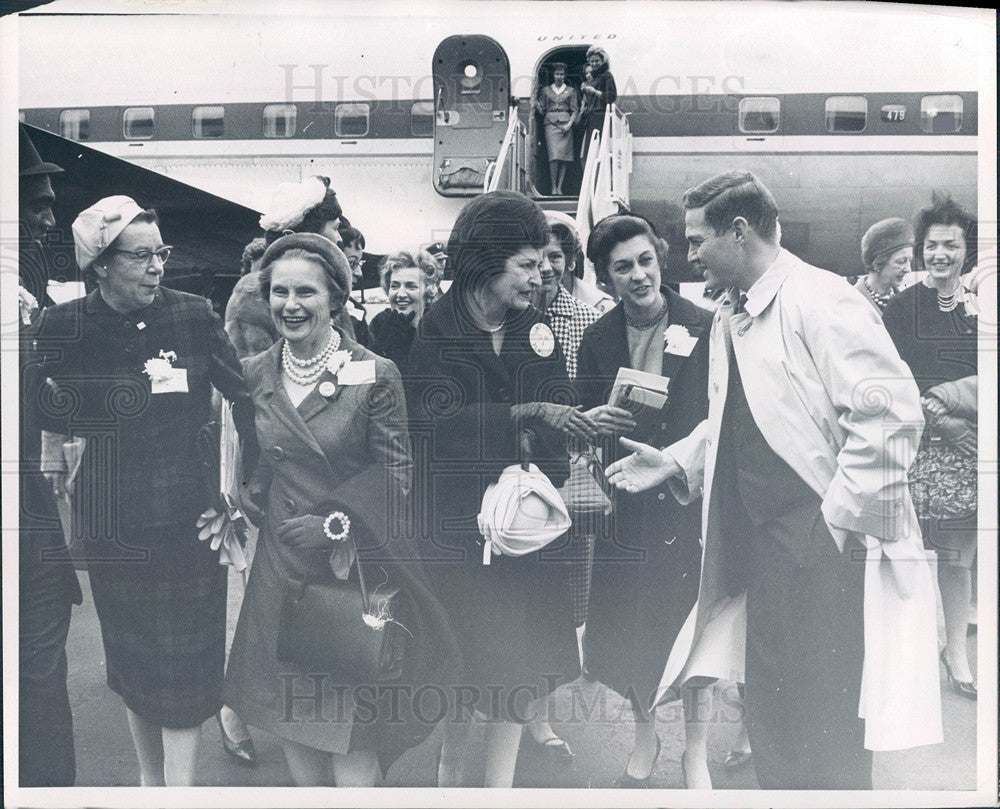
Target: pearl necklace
{"points": [[947, 303], [308, 371], [881, 299], [642, 325]]}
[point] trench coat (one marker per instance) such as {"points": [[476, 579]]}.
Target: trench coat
{"points": [[645, 571], [834, 400], [348, 451]]}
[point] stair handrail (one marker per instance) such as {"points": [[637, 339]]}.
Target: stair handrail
{"points": [[512, 154], [604, 189]]}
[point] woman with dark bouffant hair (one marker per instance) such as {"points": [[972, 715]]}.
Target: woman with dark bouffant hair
{"points": [[484, 371], [637, 610], [934, 325]]}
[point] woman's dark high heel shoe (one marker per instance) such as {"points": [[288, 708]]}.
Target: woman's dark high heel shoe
{"points": [[243, 752], [964, 688], [631, 782]]}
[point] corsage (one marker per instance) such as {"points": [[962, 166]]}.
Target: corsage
{"points": [[158, 369]]}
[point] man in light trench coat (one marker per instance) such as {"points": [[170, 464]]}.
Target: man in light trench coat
{"points": [[813, 422]]}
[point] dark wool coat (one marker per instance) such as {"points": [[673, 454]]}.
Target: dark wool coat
{"points": [[514, 617], [160, 594], [348, 451], [645, 573]]}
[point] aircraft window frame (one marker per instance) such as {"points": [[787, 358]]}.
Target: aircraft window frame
{"points": [[744, 111], [272, 114], [74, 124], [831, 113], [418, 132], [130, 119], [351, 109], [206, 115], [927, 120]]}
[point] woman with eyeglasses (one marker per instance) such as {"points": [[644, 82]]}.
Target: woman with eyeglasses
{"points": [[646, 563], [130, 371]]}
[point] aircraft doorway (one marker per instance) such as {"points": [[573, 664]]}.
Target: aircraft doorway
{"points": [[575, 58]]}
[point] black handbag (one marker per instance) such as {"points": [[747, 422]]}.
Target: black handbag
{"points": [[338, 627]]}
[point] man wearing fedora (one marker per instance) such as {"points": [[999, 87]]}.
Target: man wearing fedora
{"points": [[48, 586], [36, 219]]}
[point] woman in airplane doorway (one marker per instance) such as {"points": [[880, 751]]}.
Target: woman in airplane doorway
{"points": [[558, 104], [598, 92]]}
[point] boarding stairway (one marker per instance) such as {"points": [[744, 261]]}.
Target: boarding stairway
{"points": [[605, 186]]}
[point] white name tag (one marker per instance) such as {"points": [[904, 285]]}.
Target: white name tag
{"points": [[679, 341], [357, 373], [174, 381]]}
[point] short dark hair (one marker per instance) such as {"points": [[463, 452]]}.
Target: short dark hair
{"points": [[253, 251], [943, 210], [569, 242], [491, 229], [735, 193], [350, 235], [615, 229]]}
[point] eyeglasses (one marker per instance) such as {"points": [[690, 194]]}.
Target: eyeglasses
{"points": [[145, 257], [355, 262]]}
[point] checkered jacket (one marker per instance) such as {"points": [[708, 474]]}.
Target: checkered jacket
{"points": [[568, 318]]}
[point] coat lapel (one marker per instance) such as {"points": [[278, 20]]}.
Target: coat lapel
{"points": [[275, 401], [315, 403]]}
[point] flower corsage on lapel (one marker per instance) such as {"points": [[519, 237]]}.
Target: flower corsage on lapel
{"points": [[334, 365], [163, 377]]}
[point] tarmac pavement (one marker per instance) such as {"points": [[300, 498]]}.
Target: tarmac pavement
{"points": [[105, 756]]}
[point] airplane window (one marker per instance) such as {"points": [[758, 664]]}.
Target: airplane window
{"points": [[280, 120], [846, 113], [75, 124], [20, 116], [422, 118], [759, 115], [138, 123], [351, 120], [941, 114], [471, 81], [208, 122]]}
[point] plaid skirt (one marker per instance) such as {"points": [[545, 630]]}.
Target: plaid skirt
{"points": [[163, 624]]}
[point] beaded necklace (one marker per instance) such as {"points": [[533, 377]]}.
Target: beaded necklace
{"points": [[308, 371], [881, 298], [642, 325]]}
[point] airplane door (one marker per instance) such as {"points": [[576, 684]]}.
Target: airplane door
{"points": [[472, 87]]}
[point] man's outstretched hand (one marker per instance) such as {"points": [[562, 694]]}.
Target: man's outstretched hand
{"points": [[645, 468]]}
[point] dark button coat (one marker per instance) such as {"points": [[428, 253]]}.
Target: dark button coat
{"points": [[646, 559], [513, 617]]}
